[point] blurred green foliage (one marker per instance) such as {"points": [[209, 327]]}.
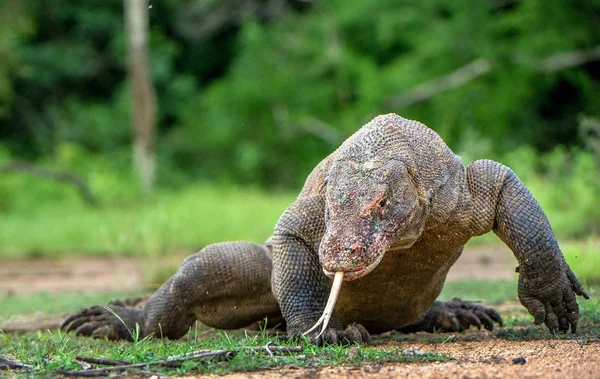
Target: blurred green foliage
{"points": [[260, 93], [179, 222], [256, 93]]}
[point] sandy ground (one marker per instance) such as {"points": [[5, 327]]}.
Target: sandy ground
{"points": [[70, 275], [488, 358], [481, 359]]}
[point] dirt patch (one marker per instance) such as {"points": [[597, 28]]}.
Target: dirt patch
{"points": [[73, 275], [481, 359], [484, 262]]}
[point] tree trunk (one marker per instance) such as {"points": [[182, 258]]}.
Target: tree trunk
{"points": [[143, 96]]}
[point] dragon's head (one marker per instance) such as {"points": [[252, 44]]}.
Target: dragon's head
{"points": [[378, 196], [370, 206]]}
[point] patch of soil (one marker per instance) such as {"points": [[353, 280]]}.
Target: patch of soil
{"points": [[72, 275], [481, 359], [484, 262]]}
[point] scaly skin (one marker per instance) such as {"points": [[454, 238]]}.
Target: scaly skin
{"points": [[391, 208]]}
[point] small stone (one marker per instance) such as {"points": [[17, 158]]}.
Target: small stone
{"points": [[519, 361], [413, 352], [372, 368]]}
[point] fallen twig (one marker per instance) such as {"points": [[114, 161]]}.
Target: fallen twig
{"points": [[116, 365], [6, 364], [86, 373], [172, 361], [271, 349], [202, 354], [102, 361]]}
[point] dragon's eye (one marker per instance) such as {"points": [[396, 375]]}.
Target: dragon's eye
{"points": [[382, 203]]}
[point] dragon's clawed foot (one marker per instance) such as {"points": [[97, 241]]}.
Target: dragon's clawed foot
{"points": [[456, 315], [468, 314], [553, 302], [99, 322]]}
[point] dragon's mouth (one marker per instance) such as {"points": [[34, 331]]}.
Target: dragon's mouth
{"points": [[352, 275]]}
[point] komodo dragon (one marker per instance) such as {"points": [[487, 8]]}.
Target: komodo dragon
{"points": [[389, 213]]}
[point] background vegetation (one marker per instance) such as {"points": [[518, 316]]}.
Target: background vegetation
{"points": [[252, 94]]}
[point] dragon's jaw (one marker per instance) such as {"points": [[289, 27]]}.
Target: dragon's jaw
{"points": [[354, 252], [352, 275]]}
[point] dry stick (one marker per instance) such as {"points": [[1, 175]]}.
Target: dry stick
{"points": [[87, 373], [333, 295], [219, 354], [6, 364], [102, 372], [268, 348], [195, 355], [101, 361], [272, 349]]}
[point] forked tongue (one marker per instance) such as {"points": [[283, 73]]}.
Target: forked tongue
{"points": [[333, 295]]}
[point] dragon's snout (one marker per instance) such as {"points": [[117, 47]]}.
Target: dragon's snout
{"points": [[353, 255]]}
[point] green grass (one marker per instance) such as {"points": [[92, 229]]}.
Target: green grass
{"points": [[167, 222], [47, 352]]}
